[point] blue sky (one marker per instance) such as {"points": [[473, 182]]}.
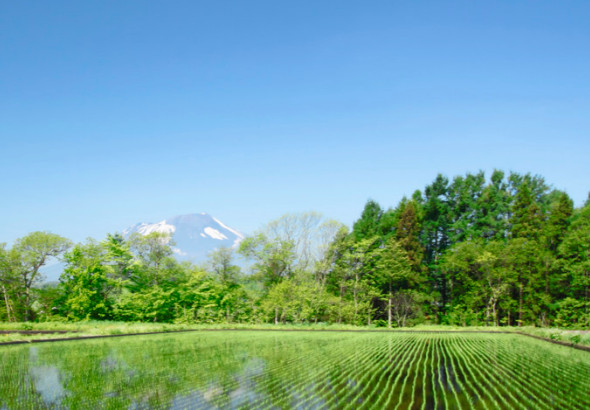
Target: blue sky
{"points": [[112, 113]]}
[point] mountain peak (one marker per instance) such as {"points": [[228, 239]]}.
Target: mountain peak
{"points": [[194, 235]]}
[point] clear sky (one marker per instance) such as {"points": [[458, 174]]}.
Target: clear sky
{"points": [[117, 112]]}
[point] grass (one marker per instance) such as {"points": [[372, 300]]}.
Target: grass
{"points": [[297, 369], [104, 328]]}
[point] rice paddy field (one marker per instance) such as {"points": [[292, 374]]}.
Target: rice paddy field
{"points": [[266, 369]]}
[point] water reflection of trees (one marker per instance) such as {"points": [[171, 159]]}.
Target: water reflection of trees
{"points": [[155, 371]]}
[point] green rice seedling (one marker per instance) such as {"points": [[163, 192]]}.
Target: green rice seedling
{"points": [[425, 374], [478, 359], [418, 354], [409, 347], [400, 350], [392, 383], [364, 381], [249, 369], [433, 372], [346, 380], [468, 370], [542, 368], [407, 366], [326, 362], [448, 364], [499, 388]]}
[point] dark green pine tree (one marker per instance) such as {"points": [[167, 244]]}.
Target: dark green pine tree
{"points": [[464, 194], [407, 234], [527, 218], [574, 259], [389, 220], [435, 236], [528, 253], [492, 209], [560, 212], [437, 213], [368, 224]]}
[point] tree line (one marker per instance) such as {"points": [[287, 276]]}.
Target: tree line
{"points": [[507, 250]]}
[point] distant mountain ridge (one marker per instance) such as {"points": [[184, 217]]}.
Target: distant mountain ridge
{"points": [[194, 235]]}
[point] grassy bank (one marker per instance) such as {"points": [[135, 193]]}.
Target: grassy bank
{"points": [[106, 328]]}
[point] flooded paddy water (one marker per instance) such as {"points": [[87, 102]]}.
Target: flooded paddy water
{"points": [[251, 369]]}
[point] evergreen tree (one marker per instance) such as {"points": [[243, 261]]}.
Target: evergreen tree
{"points": [[492, 209], [527, 218], [574, 253], [408, 235], [435, 236], [368, 224], [560, 213], [464, 194]]}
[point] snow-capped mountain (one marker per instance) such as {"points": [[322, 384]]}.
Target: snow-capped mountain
{"points": [[194, 235]]}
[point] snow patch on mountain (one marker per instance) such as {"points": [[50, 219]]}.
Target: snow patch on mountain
{"points": [[214, 233], [145, 228], [239, 235], [194, 235]]}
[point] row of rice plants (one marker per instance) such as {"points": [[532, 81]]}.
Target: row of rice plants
{"points": [[388, 394], [388, 391], [308, 369], [561, 386], [377, 374], [467, 370], [391, 366], [269, 383], [412, 370], [485, 379], [427, 378], [345, 384], [526, 368], [520, 383], [451, 378], [285, 370], [502, 390], [499, 374]]}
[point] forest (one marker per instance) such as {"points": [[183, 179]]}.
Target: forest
{"points": [[507, 250]]}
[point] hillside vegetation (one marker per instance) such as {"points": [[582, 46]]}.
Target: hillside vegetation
{"points": [[471, 251]]}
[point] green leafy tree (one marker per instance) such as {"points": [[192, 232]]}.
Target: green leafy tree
{"points": [[119, 257], [8, 283], [154, 256], [574, 252], [298, 301], [221, 264], [273, 260], [394, 275], [32, 252], [352, 275], [228, 275], [88, 282], [527, 223]]}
